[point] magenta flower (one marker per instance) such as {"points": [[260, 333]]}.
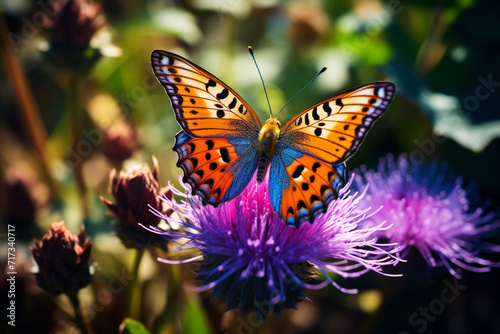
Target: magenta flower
{"points": [[256, 263], [431, 211]]}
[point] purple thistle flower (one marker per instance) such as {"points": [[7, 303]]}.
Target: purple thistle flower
{"points": [[255, 262], [431, 211]]}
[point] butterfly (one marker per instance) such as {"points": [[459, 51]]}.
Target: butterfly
{"points": [[223, 144]]}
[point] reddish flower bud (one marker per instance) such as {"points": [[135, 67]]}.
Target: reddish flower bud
{"points": [[73, 23], [71, 26], [135, 192], [119, 141], [63, 260]]}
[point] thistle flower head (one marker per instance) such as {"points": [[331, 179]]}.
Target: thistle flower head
{"points": [[431, 211], [63, 260], [134, 192], [256, 263]]}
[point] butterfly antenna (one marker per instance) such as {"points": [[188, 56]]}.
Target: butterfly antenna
{"points": [[321, 71], [261, 79]]}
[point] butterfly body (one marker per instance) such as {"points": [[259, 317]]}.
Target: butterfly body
{"points": [[269, 135], [222, 144]]}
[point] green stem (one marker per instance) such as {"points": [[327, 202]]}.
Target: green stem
{"points": [[134, 292], [75, 97], [427, 56], [173, 301], [30, 115], [79, 316]]}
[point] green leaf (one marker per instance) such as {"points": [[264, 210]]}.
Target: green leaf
{"points": [[194, 319], [444, 111], [131, 326]]}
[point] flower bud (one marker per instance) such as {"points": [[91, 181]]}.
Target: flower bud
{"points": [[71, 26], [135, 192], [63, 260], [73, 23], [119, 141]]}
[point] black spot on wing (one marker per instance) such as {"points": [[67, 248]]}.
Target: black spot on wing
{"points": [[326, 108], [210, 144], [210, 83], [318, 132], [315, 166], [298, 171], [209, 183], [232, 104], [339, 103], [192, 146], [224, 153], [313, 199], [220, 113], [222, 95], [315, 114]]}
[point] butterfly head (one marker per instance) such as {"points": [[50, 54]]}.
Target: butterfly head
{"points": [[268, 136]]}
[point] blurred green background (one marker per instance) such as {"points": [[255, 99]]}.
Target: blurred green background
{"points": [[442, 56]]}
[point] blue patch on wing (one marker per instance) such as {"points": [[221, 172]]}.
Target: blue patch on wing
{"points": [[242, 169], [288, 156], [278, 177], [182, 152], [182, 137], [339, 182]]}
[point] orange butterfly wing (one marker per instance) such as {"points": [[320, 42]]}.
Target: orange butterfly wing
{"points": [[314, 145], [217, 169], [218, 141], [302, 185], [333, 129], [204, 106]]}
